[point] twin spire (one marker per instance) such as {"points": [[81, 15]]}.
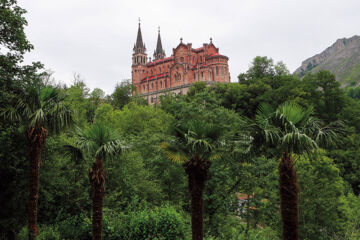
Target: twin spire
{"points": [[139, 46], [159, 53]]}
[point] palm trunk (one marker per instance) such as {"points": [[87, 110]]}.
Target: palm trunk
{"points": [[36, 138], [289, 198], [197, 175], [97, 180]]}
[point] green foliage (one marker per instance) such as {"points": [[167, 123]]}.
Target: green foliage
{"points": [[122, 94], [45, 233], [322, 191], [12, 23], [75, 227], [162, 223], [142, 184], [354, 92]]}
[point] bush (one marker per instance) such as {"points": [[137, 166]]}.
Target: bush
{"points": [[163, 223], [75, 227], [45, 233], [159, 223]]}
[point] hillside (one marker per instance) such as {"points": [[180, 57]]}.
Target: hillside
{"points": [[342, 58]]}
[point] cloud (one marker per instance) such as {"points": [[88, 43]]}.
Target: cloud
{"points": [[96, 38]]}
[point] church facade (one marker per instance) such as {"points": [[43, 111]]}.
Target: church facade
{"points": [[175, 74]]}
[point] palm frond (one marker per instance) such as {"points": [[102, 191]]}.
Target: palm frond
{"points": [[292, 112], [297, 142], [74, 152]]}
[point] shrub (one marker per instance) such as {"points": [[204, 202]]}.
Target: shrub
{"points": [[75, 227], [160, 223], [45, 233]]}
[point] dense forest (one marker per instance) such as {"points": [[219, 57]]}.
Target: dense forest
{"points": [[272, 156]]}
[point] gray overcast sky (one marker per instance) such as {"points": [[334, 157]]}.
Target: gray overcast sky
{"points": [[95, 38]]}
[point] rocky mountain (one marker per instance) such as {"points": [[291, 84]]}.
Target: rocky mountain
{"points": [[342, 58]]}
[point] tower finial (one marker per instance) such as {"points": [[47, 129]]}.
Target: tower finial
{"points": [[159, 29], [210, 39], [139, 21], [181, 40]]}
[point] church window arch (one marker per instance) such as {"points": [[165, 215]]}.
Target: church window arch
{"points": [[161, 84], [200, 58], [181, 59], [202, 75], [217, 71]]}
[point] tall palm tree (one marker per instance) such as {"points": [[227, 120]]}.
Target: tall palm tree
{"points": [[194, 145], [39, 109], [290, 130], [98, 142]]}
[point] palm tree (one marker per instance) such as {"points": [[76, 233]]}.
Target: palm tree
{"points": [[194, 145], [99, 142], [39, 109], [290, 130]]}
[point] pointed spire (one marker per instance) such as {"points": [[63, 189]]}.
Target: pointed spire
{"points": [[139, 45], [159, 52]]}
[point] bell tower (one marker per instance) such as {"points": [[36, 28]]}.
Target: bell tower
{"points": [[139, 60]]}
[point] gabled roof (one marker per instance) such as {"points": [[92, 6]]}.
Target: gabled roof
{"points": [[160, 61]]}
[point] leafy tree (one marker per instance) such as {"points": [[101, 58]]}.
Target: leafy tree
{"points": [[322, 201], [263, 67], [122, 94], [194, 145], [98, 142], [326, 95], [39, 109]]}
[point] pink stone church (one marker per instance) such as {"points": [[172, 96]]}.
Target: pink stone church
{"points": [[175, 74]]}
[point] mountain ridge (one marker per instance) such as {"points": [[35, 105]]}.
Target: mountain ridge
{"points": [[342, 58]]}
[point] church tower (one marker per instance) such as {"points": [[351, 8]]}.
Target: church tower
{"points": [[159, 53], [139, 59]]}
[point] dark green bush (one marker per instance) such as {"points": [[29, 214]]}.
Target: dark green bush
{"points": [[159, 223], [76, 227]]}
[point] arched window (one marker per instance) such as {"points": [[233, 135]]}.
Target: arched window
{"points": [[202, 75], [161, 84], [194, 76], [200, 58], [181, 59], [217, 71], [194, 60], [152, 85], [159, 69], [144, 87]]}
